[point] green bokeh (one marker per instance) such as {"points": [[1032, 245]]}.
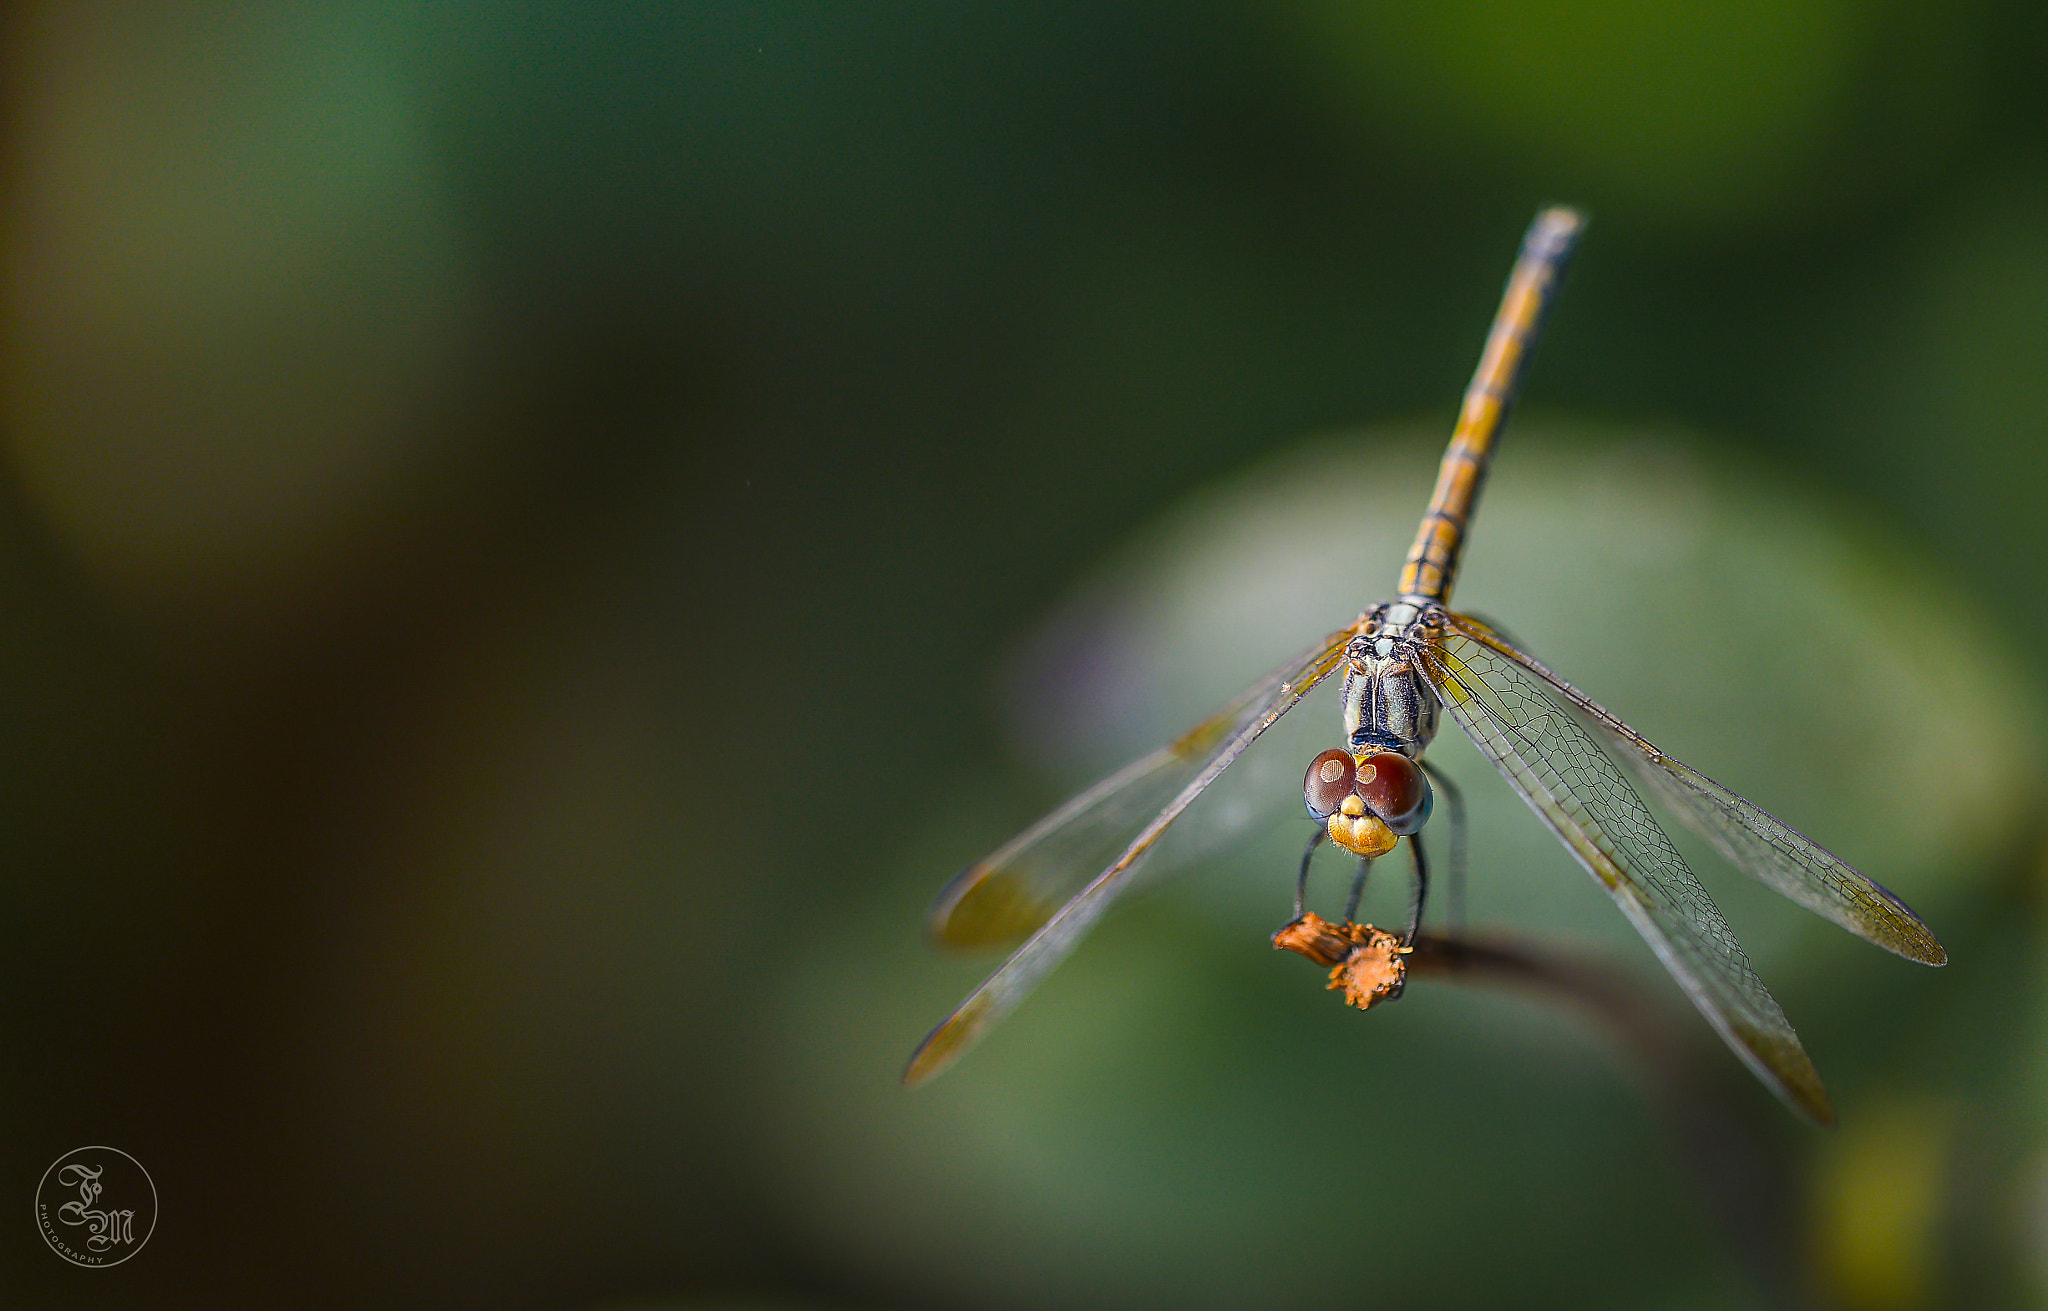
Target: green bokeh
{"points": [[1693, 115]]}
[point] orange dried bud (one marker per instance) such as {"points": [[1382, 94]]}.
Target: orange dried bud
{"points": [[1368, 964], [1316, 938], [1374, 972]]}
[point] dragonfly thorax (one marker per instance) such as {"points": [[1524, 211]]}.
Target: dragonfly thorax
{"points": [[1388, 706]]}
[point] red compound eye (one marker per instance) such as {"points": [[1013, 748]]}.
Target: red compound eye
{"points": [[1394, 788], [1331, 777]]}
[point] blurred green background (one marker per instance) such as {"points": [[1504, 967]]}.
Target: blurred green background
{"points": [[533, 539]]}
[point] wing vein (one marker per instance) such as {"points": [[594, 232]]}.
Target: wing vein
{"points": [[1748, 837], [1216, 743], [1564, 775]]}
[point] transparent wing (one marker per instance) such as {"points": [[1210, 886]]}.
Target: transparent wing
{"points": [[1014, 890], [1569, 781], [1007, 890], [1757, 843]]}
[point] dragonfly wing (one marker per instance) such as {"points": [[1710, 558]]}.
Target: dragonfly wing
{"points": [[1754, 841], [1573, 786], [1002, 892], [1012, 892], [1015, 889]]}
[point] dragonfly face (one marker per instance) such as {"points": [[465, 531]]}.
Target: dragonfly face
{"points": [[1365, 802]]}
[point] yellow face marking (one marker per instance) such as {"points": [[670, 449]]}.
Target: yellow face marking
{"points": [[1359, 833]]}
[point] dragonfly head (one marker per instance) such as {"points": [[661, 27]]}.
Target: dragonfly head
{"points": [[1367, 801]]}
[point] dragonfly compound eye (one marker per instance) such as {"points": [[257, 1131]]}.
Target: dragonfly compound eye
{"points": [[1395, 788], [1331, 777]]}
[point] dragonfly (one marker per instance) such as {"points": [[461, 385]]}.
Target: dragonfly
{"points": [[1402, 665]]}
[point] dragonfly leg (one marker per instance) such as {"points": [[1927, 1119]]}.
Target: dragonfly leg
{"points": [[1421, 889], [1357, 889], [1454, 807], [1308, 854]]}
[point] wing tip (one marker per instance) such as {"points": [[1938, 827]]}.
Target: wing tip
{"points": [[920, 1069], [1809, 1097], [938, 919], [1932, 953], [985, 906], [1781, 1063], [945, 1044], [1908, 937], [1820, 1111], [1908, 941], [926, 1063]]}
